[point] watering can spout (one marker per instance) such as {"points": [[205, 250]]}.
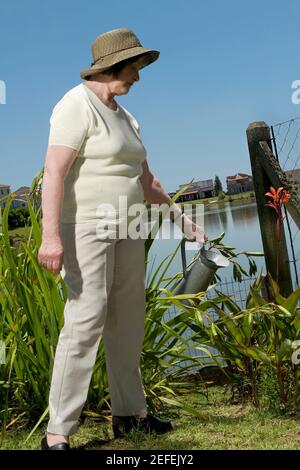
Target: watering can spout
{"points": [[199, 276]]}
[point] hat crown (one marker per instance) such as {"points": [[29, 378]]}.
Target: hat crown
{"points": [[114, 41], [116, 46]]}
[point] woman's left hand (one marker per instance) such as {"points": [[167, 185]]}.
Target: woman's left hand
{"points": [[192, 231]]}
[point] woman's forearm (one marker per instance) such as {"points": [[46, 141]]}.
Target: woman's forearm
{"points": [[156, 194], [58, 162], [52, 197]]}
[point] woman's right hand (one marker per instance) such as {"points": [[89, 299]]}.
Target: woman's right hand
{"points": [[51, 254]]}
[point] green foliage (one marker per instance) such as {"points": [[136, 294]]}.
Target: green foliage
{"points": [[18, 217], [229, 252], [269, 390], [31, 307], [255, 339], [32, 303]]}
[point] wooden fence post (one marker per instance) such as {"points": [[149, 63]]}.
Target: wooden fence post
{"points": [[260, 132]]}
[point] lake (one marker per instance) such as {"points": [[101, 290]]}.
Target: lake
{"points": [[239, 221]]}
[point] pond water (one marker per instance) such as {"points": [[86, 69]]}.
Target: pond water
{"points": [[237, 219]]}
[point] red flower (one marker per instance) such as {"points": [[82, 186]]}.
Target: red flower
{"points": [[275, 195], [281, 196]]}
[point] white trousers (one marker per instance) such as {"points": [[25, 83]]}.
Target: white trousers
{"points": [[106, 287]]}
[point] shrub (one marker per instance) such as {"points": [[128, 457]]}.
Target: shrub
{"points": [[18, 217]]}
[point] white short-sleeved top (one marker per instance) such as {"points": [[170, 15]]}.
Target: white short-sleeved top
{"points": [[110, 155]]}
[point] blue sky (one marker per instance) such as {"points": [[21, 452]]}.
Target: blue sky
{"points": [[222, 66]]}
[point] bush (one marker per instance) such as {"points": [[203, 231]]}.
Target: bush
{"points": [[32, 302], [18, 218], [269, 390]]}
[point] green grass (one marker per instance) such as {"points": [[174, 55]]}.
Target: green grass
{"points": [[233, 197], [19, 231], [221, 425]]}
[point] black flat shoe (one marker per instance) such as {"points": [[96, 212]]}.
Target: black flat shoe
{"points": [[122, 425], [59, 446], [151, 425]]}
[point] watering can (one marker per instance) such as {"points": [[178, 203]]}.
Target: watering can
{"points": [[198, 277]]}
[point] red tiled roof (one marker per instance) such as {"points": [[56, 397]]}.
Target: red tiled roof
{"points": [[238, 176]]}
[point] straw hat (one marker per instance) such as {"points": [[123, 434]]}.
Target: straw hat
{"points": [[113, 47]]}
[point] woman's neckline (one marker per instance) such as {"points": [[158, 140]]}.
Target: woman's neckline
{"points": [[114, 111]]}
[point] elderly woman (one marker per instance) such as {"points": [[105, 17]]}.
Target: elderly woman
{"points": [[95, 156]]}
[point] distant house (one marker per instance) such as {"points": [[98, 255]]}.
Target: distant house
{"points": [[20, 199], [4, 191], [196, 190], [239, 183], [293, 176]]}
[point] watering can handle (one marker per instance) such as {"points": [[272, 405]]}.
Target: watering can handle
{"points": [[183, 255]]}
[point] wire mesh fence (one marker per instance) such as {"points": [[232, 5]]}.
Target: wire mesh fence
{"points": [[286, 146], [286, 137], [238, 291]]}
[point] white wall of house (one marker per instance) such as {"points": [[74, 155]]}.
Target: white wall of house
{"points": [[4, 191]]}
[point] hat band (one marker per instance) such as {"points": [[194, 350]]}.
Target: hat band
{"points": [[115, 52]]}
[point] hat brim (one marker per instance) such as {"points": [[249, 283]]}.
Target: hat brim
{"points": [[149, 56]]}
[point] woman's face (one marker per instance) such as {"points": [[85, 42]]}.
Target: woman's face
{"points": [[121, 84]]}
